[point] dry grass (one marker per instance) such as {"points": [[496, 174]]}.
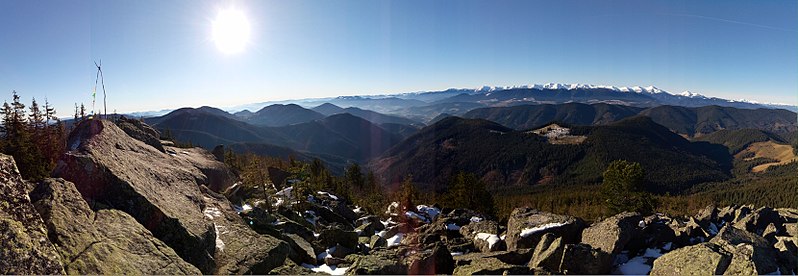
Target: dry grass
{"points": [[783, 153]]}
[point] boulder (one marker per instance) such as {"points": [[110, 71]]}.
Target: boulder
{"points": [[582, 259], [518, 257], [335, 236], [277, 176], [366, 230], [291, 268], [787, 248], [218, 176], [301, 250], [489, 242], [377, 242], [548, 253], [140, 131], [491, 266], [475, 227], [526, 226], [707, 215], [436, 260], [701, 259], [758, 220], [612, 234], [105, 242], [239, 249], [24, 247], [379, 262], [374, 220], [163, 193], [749, 251]]}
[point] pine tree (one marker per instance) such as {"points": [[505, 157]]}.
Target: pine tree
{"points": [[622, 188]]}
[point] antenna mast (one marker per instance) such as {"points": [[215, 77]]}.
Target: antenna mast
{"points": [[102, 81]]}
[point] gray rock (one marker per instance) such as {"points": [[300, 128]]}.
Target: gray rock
{"points": [[379, 262], [437, 260], [700, 259], [521, 219], [548, 253], [110, 168], [612, 234], [582, 259], [140, 131], [377, 242], [163, 193], [239, 249], [787, 248], [758, 220], [24, 247], [374, 220], [491, 266], [301, 250], [518, 257], [105, 242], [749, 251], [473, 228], [366, 230], [335, 236]]}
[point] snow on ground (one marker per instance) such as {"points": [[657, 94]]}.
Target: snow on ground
{"points": [[635, 266], [395, 240], [667, 246], [640, 265], [490, 238], [242, 208], [713, 229], [328, 194], [476, 219], [285, 192], [212, 212], [411, 214], [332, 270], [432, 212], [327, 253], [219, 242], [358, 210], [529, 231], [456, 253], [452, 227]]}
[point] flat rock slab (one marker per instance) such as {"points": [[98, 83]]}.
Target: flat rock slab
{"points": [[105, 242]]}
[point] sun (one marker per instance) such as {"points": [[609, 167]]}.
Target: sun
{"points": [[231, 31]]}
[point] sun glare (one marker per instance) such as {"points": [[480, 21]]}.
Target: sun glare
{"points": [[231, 31]]}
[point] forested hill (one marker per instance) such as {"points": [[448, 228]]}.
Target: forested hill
{"points": [[505, 157]]}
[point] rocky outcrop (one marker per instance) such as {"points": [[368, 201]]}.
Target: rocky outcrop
{"points": [[103, 242], [612, 234], [526, 226], [138, 130], [701, 259], [582, 259], [548, 253], [162, 191], [24, 247]]}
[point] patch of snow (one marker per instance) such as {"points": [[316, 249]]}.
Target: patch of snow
{"points": [[385, 222], [327, 253], [411, 214], [452, 227], [432, 212], [456, 253], [652, 253], [381, 233], [358, 210], [328, 194], [777, 272], [212, 212], [635, 266], [667, 246], [316, 235], [285, 192], [324, 268], [395, 240], [641, 224], [476, 219], [503, 237], [279, 202], [490, 238], [219, 242], [529, 231], [713, 229]]}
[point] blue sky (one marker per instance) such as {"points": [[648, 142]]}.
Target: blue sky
{"points": [[159, 54]]}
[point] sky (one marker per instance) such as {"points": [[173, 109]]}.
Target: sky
{"points": [[162, 54]]}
